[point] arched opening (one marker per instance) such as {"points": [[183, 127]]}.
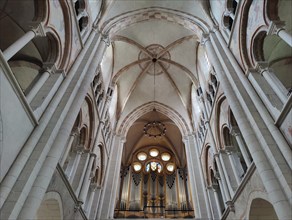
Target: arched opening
{"points": [[153, 180], [262, 210], [50, 208]]}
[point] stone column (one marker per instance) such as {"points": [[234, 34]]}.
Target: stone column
{"points": [[218, 204], [277, 28], [193, 185], [236, 133], [221, 152], [216, 155], [37, 86], [79, 152], [244, 116], [92, 190], [72, 93], [224, 187], [273, 81], [201, 183], [87, 179], [73, 134], [111, 183], [230, 156], [252, 108], [24, 40], [273, 105]]}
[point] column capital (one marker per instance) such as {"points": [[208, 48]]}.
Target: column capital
{"points": [[38, 29], [105, 38], [75, 131], [79, 149], [222, 151], [230, 205], [234, 131], [185, 138], [49, 67], [275, 27], [78, 205], [229, 150], [205, 39], [261, 67], [217, 175], [215, 28], [123, 140], [93, 155], [215, 187], [216, 155]]}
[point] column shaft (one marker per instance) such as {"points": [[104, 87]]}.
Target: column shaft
{"points": [[277, 86], [44, 76], [68, 148], [219, 208], [226, 174], [75, 166], [230, 156], [87, 180], [109, 194], [222, 179], [278, 199], [241, 146], [72, 93], [193, 185], [90, 201], [19, 44], [285, 36]]}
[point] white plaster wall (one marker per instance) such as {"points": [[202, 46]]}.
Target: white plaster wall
{"points": [[16, 125]]}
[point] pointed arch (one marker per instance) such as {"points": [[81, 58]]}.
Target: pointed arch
{"points": [[188, 21], [148, 107]]}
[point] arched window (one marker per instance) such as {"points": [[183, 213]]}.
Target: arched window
{"points": [[81, 15]]}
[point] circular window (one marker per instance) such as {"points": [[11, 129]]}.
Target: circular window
{"points": [[165, 156], [137, 166], [170, 167], [142, 156], [153, 152]]}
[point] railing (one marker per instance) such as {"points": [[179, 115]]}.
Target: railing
{"points": [[154, 212]]}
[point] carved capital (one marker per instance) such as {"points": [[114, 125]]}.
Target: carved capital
{"points": [[234, 131], [261, 67], [217, 175], [229, 150], [78, 205], [275, 27], [75, 132], [39, 30], [216, 155], [205, 39], [230, 205], [92, 155], [105, 38]]}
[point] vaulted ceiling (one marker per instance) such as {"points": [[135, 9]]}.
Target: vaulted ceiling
{"points": [[153, 57]]}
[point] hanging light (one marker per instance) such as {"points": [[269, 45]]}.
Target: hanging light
{"points": [[154, 129]]}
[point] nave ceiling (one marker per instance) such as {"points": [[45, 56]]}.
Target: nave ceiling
{"points": [[153, 54]]}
